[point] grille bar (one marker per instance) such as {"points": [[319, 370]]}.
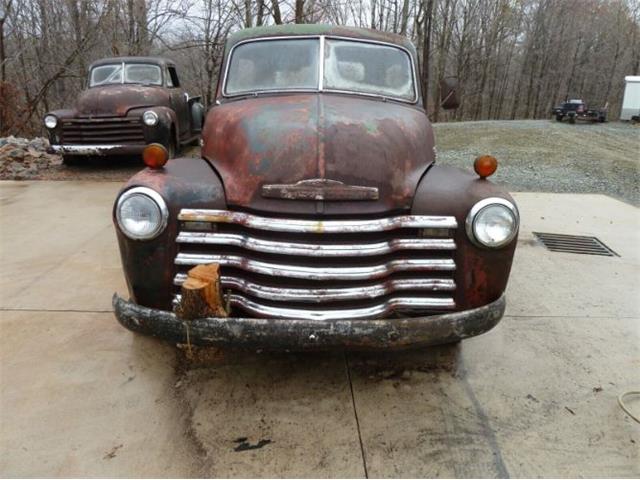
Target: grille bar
{"points": [[383, 308], [316, 226], [321, 295], [322, 269], [315, 249], [103, 130], [318, 273]]}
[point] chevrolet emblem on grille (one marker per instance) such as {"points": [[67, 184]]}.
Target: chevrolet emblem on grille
{"points": [[319, 189]]}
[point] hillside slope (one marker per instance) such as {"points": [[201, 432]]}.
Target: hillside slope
{"points": [[547, 156]]}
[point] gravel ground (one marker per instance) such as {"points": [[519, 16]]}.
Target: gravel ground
{"points": [[108, 169], [547, 156], [533, 155]]}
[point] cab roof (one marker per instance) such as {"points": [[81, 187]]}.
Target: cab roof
{"points": [[161, 61], [319, 29]]}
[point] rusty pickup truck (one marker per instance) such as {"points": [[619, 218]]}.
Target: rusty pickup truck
{"points": [[129, 103], [319, 201]]}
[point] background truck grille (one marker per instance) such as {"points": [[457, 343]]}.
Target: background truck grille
{"points": [[103, 131], [329, 269]]}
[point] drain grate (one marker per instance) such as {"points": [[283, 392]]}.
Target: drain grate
{"points": [[557, 242]]}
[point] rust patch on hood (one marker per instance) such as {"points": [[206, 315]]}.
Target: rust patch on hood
{"points": [[117, 100], [284, 140]]}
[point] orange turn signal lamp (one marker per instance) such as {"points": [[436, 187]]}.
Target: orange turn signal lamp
{"points": [[155, 155], [485, 166]]}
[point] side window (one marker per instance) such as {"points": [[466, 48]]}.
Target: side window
{"points": [[173, 81]]}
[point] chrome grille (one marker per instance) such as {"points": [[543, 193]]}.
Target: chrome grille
{"points": [[97, 131], [322, 269]]}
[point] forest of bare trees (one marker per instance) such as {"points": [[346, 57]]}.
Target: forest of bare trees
{"points": [[513, 58]]}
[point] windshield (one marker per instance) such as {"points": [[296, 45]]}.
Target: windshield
{"points": [[144, 73], [293, 64], [274, 65]]}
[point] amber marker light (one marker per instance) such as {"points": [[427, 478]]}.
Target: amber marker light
{"points": [[485, 166], [155, 155]]}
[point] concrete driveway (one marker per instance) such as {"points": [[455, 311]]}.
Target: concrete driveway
{"points": [[81, 396]]}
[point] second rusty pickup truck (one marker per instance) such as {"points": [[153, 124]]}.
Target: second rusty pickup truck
{"points": [[129, 103]]}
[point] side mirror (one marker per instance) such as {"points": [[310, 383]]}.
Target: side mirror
{"points": [[449, 93]]}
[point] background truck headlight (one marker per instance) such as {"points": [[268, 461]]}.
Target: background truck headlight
{"points": [[492, 222], [150, 118], [50, 121], [141, 213]]}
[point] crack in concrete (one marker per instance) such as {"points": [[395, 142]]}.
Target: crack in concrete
{"points": [[355, 413]]}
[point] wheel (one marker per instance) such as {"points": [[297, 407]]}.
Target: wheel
{"points": [[171, 148], [197, 117], [171, 145], [559, 117], [572, 119], [602, 119]]}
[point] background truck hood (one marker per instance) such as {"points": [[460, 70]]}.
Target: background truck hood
{"points": [[117, 100], [287, 139]]}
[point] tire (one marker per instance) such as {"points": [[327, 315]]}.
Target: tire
{"points": [[197, 117], [602, 119], [171, 148], [559, 118], [171, 144], [572, 119]]}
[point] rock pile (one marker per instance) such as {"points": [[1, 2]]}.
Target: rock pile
{"points": [[22, 159]]}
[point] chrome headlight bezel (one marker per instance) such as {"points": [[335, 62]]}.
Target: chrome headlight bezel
{"points": [[150, 118], [470, 223], [50, 121], [153, 196]]}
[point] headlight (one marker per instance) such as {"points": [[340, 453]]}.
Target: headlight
{"points": [[492, 222], [141, 213], [150, 118], [50, 121]]}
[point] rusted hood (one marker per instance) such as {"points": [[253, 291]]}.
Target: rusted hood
{"points": [[111, 100], [257, 143]]}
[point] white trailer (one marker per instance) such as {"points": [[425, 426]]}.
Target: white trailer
{"points": [[631, 99]]}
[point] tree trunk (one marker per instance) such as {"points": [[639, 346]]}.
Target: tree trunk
{"points": [[3, 53], [299, 11], [277, 16], [247, 14], [405, 17], [200, 294], [426, 50], [260, 15]]}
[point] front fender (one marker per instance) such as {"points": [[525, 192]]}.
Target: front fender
{"points": [[148, 265], [161, 132], [481, 274], [55, 134]]}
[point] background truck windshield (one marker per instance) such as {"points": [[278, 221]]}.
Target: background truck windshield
{"points": [[133, 73], [349, 66]]}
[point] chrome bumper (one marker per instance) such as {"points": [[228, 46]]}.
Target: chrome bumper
{"points": [[95, 149], [307, 334]]}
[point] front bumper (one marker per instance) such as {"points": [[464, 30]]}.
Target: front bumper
{"points": [[96, 150], [300, 334]]}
